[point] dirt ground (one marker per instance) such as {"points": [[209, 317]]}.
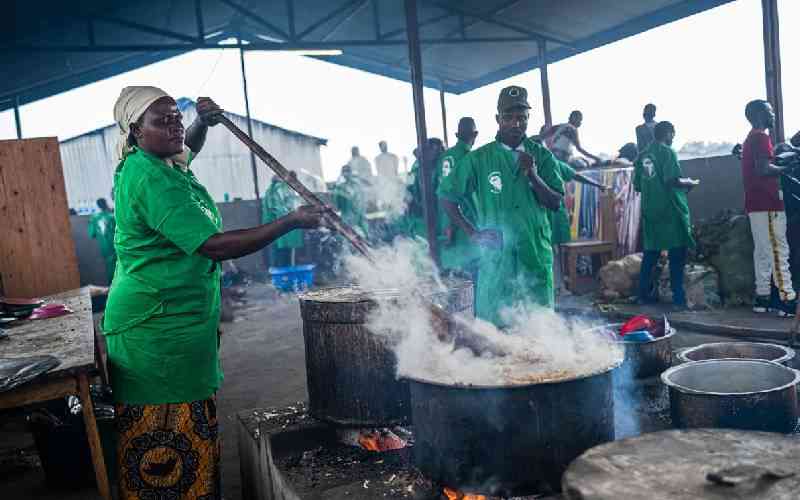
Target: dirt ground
{"points": [[263, 360]]}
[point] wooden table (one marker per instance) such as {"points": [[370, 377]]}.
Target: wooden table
{"points": [[71, 339]]}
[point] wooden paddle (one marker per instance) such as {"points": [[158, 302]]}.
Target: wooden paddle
{"points": [[444, 324]]}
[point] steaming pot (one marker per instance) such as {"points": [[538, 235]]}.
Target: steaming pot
{"points": [[509, 440], [351, 371]]}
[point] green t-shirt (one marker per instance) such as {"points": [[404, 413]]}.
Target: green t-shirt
{"points": [[461, 251], [522, 271], [101, 228], [559, 220], [278, 201], [163, 310], [665, 209]]}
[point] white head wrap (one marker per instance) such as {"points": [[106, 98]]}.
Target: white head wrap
{"points": [[130, 106]]}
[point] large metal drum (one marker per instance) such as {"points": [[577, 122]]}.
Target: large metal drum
{"points": [[508, 441], [643, 359], [351, 371], [733, 393]]}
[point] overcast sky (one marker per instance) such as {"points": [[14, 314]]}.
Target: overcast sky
{"points": [[700, 72]]}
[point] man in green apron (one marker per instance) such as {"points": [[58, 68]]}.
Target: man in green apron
{"points": [[278, 201], [666, 221], [515, 183], [415, 216], [457, 253], [348, 197], [101, 228]]}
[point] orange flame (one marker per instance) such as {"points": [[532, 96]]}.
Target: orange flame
{"points": [[457, 495], [369, 442], [380, 441]]}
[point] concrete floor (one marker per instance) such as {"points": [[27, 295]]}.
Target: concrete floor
{"points": [[263, 359]]}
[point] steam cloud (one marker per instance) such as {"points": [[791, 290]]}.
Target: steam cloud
{"points": [[541, 345]]}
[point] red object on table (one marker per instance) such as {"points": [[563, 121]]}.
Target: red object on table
{"points": [[637, 323]]}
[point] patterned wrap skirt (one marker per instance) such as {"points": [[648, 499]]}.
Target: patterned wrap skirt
{"points": [[169, 451]]}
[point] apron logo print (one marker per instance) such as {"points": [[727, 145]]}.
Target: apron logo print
{"points": [[447, 166], [649, 167], [496, 181]]}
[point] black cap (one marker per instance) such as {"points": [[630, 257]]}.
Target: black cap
{"points": [[513, 96]]}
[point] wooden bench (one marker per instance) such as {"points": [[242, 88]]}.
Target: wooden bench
{"points": [[603, 250]]}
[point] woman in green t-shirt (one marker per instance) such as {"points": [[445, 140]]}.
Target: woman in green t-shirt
{"points": [[163, 310]]}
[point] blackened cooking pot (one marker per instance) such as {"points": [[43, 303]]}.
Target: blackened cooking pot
{"points": [[743, 350], [508, 440], [351, 371]]}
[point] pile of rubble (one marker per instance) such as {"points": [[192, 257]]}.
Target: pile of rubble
{"points": [[721, 271]]}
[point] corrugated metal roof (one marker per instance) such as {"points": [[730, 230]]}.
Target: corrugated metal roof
{"points": [[466, 43], [223, 166], [185, 102]]}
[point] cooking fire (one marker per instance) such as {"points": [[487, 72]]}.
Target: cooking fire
{"points": [[383, 439]]}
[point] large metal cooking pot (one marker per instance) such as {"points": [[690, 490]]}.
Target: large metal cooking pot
{"points": [[643, 359], [742, 350], [508, 441], [351, 371], [744, 394]]}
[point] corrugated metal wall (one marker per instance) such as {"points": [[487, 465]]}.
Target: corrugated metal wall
{"points": [[223, 166]]}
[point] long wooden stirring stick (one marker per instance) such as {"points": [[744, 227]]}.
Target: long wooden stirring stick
{"points": [[444, 324]]}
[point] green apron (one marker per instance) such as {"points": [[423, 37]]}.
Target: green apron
{"points": [[522, 270], [666, 221], [278, 201], [101, 228], [162, 314], [460, 252], [348, 196]]}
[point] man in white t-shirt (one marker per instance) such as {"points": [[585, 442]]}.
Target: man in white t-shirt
{"points": [[387, 164], [360, 165]]}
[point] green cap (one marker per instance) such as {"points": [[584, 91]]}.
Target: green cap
{"points": [[513, 96]]}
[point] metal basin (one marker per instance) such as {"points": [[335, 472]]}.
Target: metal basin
{"points": [[509, 440], [643, 359], [733, 393], [741, 350]]}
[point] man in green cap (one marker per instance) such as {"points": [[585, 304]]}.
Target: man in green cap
{"points": [[515, 183], [457, 253], [278, 201], [101, 228], [666, 223]]}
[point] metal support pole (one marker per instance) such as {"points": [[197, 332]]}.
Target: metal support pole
{"points": [[17, 119], [548, 115], [425, 163], [249, 123], [198, 15], [444, 114], [772, 65]]}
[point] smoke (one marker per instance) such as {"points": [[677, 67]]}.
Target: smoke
{"points": [[540, 345]]}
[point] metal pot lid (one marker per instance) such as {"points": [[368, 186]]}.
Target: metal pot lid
{"points": [[730, 372]]}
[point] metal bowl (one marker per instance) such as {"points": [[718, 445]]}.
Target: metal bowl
{"points": [[643, 359], [738, 350], [745, 394]]}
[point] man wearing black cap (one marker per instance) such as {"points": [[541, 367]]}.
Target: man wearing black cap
{"points": [[513, 182]]}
